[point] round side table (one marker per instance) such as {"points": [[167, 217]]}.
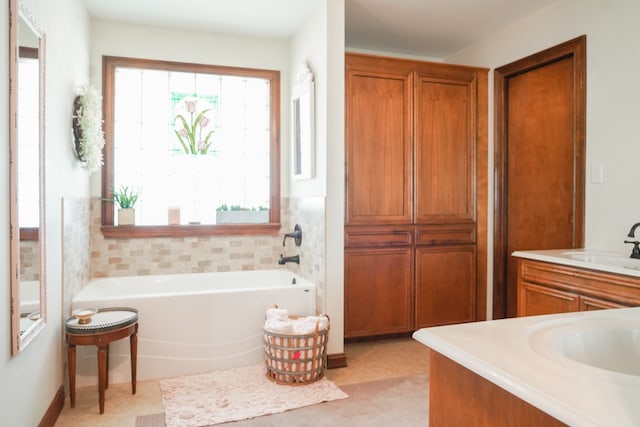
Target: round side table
{"points": [[105, 326]]}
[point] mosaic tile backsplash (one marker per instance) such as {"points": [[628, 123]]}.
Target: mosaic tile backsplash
{"points": [[76, 248]]}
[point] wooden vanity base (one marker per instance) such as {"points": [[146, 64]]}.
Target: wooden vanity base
{"points": [[459, 397]]}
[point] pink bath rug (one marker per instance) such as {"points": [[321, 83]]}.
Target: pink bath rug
{"points": [[236, 394]]}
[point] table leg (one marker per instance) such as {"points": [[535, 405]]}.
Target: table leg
{"points": [[102, 374], [133, 341], [106, 378], [71, 353]]}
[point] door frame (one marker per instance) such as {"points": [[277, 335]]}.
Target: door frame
{"points": [[576, 49]]}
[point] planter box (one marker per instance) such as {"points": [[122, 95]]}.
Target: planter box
{"points": [[242, 217], [126, 216]]}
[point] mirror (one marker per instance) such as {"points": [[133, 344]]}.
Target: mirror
{"points": [[26, 108], [302, 119]]}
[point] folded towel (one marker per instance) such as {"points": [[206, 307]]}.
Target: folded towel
{"points": [[296, 326], [279, 326]]}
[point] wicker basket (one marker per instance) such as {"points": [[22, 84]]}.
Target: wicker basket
{"points": [[296, 359]]}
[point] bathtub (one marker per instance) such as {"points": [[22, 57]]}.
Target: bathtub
{"points": [[191, 323]]}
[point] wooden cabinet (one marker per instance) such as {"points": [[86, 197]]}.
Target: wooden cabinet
{"points": [[547, 288], [378, 147], [460, 397], [415, 176], [445, 285], [379, 300]]}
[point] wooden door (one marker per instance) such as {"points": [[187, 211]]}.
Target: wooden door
{"points": [[378, 129], [540, 112]]}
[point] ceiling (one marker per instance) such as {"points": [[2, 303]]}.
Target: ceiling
{"points": [[432, 28]]}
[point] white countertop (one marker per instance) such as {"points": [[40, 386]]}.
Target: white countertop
{"points": [[502, 352], [594, 259]]}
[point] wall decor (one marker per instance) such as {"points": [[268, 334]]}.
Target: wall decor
{"points": [[303, 124], [88, 135]]}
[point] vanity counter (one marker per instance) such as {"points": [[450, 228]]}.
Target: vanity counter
{"points": [[592, 259], [509, 354]]}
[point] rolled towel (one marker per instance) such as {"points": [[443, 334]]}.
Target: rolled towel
{"points": [[277, 313], [324, 323], [307, 325]]}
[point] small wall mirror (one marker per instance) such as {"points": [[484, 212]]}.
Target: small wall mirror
{"points": [[303, 119], [26, 107]]}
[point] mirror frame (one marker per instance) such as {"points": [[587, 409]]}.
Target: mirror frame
{"points": [[17, 13], [303, 125]]}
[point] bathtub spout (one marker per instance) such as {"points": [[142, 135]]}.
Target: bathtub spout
{"points": [[285, 259]]}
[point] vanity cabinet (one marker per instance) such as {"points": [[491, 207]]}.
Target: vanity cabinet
{"points": [[413, 184], [547, 288], [460, 397]]}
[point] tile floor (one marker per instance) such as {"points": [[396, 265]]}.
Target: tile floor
{"points": [[368, 361]]}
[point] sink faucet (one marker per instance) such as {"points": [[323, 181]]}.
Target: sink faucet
{"points": [[285, 259], [635, 252]]}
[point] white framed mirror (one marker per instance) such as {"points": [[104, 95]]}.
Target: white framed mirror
{"points": [[26, 141], [303, 124]]}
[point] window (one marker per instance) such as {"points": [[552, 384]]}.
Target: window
{"points": [[196, 139]]}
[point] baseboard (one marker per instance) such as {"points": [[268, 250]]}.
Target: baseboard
{"points": [[338, 360], [53, 411]]}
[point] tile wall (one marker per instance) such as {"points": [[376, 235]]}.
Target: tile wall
{"points": [[124, 257], [76, 248]]}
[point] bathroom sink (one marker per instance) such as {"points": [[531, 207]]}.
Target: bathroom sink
{"points": [[611, 344], [613, 259]]}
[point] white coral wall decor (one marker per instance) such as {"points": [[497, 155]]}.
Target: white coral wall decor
{"points": [[87, 128]]}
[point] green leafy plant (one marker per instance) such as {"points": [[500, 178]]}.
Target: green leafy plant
{"points": [[190, 132], [125, 198], [224, 207]]}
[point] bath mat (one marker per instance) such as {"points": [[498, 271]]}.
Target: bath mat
{"points": [[236, 394], [397, 402]]}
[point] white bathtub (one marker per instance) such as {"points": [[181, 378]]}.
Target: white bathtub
{"points": [[191, 323]]}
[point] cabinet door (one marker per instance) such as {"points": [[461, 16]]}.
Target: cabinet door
{"points": [[445, 149], [445, 285], [536, 299], [377, 291], [378, 138]]}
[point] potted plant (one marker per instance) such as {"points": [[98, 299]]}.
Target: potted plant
{"points": [[126, 198], [236, 214]]}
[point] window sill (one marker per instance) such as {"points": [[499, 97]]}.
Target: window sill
{"points": [[149, 231]]}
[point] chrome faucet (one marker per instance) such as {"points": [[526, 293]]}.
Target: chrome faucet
{"points": [[635, 252], [285, 259]]}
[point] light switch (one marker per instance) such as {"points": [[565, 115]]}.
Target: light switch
{"points": [[597, 173]]}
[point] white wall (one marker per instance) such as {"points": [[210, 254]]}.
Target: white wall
{"points": [[613, 99], [28, 382], [321, 43], [139, 41], [309, 44], [335, 171], [613, 104]]}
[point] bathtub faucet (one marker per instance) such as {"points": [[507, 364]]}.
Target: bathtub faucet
{"points": [[296, 235], [285, 259]]}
